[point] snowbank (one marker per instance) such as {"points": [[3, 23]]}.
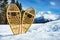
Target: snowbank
{"points": [[47, 31]]}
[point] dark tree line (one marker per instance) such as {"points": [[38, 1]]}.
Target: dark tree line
{"points": [[3, 7]]}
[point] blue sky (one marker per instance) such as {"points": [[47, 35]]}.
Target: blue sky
{"points": [[42, 5]]}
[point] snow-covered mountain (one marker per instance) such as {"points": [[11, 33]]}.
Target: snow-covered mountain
{"points": [[43, 17], [47, 31]]}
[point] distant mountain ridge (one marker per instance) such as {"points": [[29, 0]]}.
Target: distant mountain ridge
{"points": [[45, 17]]}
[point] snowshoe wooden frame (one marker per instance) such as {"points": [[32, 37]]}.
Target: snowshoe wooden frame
{"points": [[27, 20], [17, 23], [14, 18]]}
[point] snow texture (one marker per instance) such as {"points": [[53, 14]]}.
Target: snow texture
{"points": [[47, 31]]}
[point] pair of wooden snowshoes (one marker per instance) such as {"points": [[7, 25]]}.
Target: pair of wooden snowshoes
{"points": [[19, 24]]}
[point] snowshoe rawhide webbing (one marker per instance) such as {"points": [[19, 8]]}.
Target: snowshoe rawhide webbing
{"points": [[27, 20], [14, 18], [19, 24]]}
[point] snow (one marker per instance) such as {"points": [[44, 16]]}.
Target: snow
{"points": [[47, 15], [47, 31], [5, 30]]}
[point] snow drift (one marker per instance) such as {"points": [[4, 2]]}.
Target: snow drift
{"points": [[47, 31]]}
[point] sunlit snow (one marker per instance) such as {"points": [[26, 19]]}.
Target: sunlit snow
{"points": [[47, 31]]}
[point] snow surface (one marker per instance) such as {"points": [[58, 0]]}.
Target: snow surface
{"points": [[47, 31]]}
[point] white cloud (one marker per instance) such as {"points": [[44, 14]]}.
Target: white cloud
{"points": [[47, 15], [9, 1], [49, 12], [39, 14], [52, 3], [24, 8], [51, 16]]}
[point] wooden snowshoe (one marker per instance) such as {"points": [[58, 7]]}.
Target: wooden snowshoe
{"points": [[14, 18], [27, 19]]}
